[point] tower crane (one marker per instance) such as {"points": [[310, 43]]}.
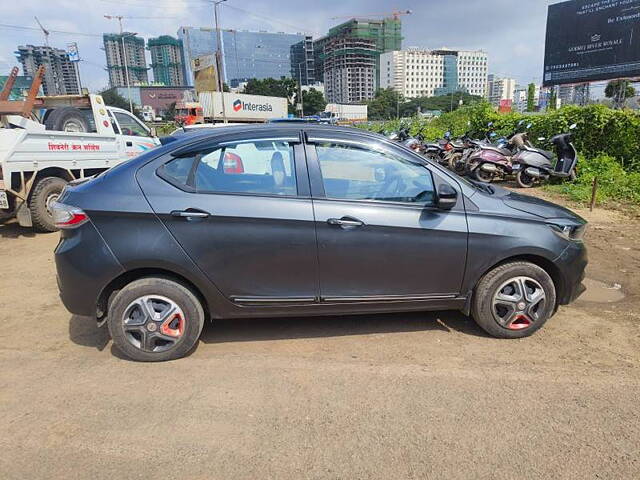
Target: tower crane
{"points": [[395, 14], [45, 31]]}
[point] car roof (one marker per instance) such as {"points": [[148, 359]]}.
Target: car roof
{"points": [[212, 133]]}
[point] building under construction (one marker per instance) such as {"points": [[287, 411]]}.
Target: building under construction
{"points": [[167, 61], [348, 58], [134, 62], [60, 74]]}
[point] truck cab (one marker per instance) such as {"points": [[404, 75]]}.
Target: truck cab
{"points": [[189, 113]]}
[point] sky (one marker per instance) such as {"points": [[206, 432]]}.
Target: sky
{"points": [[512, 32]]}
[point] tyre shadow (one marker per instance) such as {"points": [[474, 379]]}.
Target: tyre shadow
{"points": [[13, 230]]}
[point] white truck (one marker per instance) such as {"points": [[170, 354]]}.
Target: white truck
{"points": [[340, 113], [46, 142], [240, 107]]}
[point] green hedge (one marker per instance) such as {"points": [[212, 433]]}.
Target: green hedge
{"points": [[614, 182], [607, 140]]}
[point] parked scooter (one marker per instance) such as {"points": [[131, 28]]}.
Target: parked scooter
{"points": [[489, 162], [533, 165]]}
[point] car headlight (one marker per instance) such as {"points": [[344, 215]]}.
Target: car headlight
{"points": [[569, 230]]}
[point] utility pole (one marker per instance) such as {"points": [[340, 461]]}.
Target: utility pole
{"points": [[300, 85], [124, 56], [219, 58]]}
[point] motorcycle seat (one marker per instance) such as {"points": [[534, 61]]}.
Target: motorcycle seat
{"points": [[502, 151], [545, 153]]}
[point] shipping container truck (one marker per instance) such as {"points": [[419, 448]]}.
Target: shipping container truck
{"points": [[240, 107]]}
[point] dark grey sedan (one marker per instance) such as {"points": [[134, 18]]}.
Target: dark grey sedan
{"points": [[298, 220]]}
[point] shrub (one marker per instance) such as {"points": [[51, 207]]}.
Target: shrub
{"points": [[614, 182]]}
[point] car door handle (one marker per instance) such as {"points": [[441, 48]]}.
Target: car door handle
{"points": [[345, 222], [190, 214]]}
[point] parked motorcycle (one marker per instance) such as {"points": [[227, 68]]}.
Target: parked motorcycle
{"points": [[437, 151], [533, 165], [489, 162]]}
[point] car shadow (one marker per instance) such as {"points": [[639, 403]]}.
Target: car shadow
{"points": [[13, 230], [84, 331], [287, 328]]}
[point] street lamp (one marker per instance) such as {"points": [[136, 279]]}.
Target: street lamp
{"points": [[124, 56], [219, 58]]}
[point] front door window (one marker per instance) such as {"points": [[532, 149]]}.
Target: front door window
{"points": [[355, 173]]}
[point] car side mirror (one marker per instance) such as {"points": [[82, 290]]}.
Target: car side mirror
{"points": [[447, 196]]}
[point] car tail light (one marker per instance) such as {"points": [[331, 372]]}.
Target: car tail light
{"points": [[448, 147], [67, 216], [232, 163]]}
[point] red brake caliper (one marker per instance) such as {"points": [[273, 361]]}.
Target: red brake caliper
{"points": [[173, 332], [520, 322]]}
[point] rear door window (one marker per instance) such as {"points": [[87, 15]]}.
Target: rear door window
{"points": [[264, 167], [257, 166]]}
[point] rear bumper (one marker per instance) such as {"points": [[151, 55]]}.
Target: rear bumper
{"points": [[572, 263], [84, 265]]}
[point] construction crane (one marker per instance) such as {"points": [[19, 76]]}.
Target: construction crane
{"points": [[45, 31], [395, 14]]}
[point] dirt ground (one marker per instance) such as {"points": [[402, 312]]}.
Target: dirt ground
{"points": [[424, 395]]}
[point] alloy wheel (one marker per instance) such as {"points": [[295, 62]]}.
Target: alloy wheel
{"points": [[518, 303], [153, 323]]}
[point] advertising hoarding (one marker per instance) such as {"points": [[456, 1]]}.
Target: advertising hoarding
{"points": [[72, 51], [205, 74], [591, 40]]}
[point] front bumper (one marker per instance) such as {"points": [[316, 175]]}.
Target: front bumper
{"points": [[572, 263]]}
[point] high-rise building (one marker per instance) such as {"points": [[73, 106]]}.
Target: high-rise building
{"points": [[60, 74], [521, 97], [499, 88], [167, 60], [348, 57], [425, 73], [245, 55], [573, 94], [303, 62], [136, 62]]}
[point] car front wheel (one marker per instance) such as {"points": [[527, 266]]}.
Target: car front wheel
{"points": [[155, 319], [514, 300]]}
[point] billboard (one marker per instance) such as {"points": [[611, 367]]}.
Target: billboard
{"points": [[204, 74], [72, 51], [590, 40]]}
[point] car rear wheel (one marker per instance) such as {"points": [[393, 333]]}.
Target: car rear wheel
{"points": [[514, 300], [155, 319]]}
